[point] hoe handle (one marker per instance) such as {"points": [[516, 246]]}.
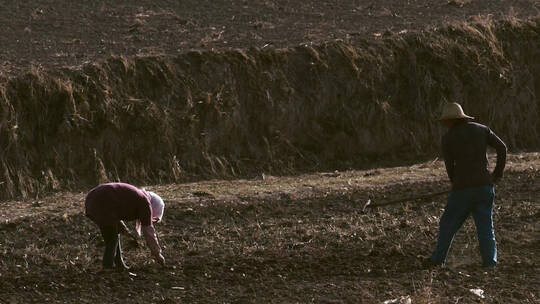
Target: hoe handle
{"points": [[401, 200]]}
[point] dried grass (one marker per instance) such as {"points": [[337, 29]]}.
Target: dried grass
{"points": [[223, 114]]}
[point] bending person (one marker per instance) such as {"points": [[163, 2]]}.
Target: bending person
{"points": [[109, 205]]}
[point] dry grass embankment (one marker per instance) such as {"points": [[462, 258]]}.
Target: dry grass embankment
{"points": [[237, 113]]}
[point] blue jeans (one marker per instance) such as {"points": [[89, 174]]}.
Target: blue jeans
{"points": [[477, 201]]}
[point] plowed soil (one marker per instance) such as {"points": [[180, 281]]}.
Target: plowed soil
{"points": [[301, 239], [57, 33]]}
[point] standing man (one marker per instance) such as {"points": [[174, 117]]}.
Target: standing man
{"points": [[109, 205], [464, 151]]}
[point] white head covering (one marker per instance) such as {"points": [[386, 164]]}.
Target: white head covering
{"points": [[157, 206]]}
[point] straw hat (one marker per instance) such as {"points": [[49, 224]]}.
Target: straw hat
{"points": [[453, 111]]}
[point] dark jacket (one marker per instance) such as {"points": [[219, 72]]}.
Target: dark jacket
{"points": [[464, 149], [108, 204]]}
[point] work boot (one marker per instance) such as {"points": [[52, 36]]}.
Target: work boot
{"points": [[489, 268], [427, 263], [105, 271]]}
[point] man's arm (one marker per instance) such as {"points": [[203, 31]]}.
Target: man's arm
{"points": [[448, 159], [152, 242], [495, 142]]}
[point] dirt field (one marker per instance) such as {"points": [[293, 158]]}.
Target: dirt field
{"points": [[51, 34], [301, 239], [292, 239]]}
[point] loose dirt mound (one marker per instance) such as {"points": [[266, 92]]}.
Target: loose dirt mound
{"points": [[281, 240], [239, 113]]}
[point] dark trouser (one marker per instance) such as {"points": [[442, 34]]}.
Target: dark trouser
{"points": [[477, 201], [113, 250]]}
